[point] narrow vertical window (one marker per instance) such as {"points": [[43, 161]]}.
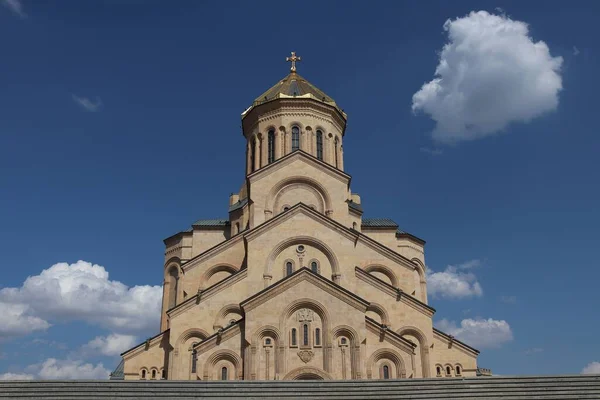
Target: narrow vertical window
{"points": [[314, 267], [163, 374], [295, 138], [458, 370], [319, 145], [289, 268], [448, 372], [386, 372], [143, 374], [194, 361], [252, 154], [153, 374], [317, 337], [271, 144], [305, 335], [335, 150], [439, 371], [294, 337], [224, 375]]}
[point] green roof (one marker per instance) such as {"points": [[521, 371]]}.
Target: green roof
{"points": [[379, 223], [211, 222]]}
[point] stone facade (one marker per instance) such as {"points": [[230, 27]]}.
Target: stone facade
{"points": [[296, 284]]}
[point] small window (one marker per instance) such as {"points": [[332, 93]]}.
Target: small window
{"points": [[317, 337], [344, 341], [305, 335], [294, 337], [448, 371], [268, 341], [143, 374], [289, 268], [319, 145], [386, 372], [224, 374], [163, 374], [285, 208], [271, 144], [153, 374], [295, 138], [194, 361], [439, 371], [314, 267], [458, 370]]}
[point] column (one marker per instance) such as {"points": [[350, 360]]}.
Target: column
{"points": [[278, 142], [248, 158], [256, 153]]}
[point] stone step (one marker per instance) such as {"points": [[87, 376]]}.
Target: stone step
{"points": [[514, 388]]}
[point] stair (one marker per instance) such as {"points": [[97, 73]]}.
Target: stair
{"points": [[504, 387]]}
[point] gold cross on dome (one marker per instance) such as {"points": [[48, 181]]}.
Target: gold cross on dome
{"points": [[293, 60]]}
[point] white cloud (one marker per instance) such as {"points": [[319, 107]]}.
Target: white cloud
{"points": [[88, 104], [453, 282], [575, 51], [83, 291], [509, 299], [9, 376], [111, 345], [16, 320], [69, 369], [433, 152], [591, 368], [479, 333], [490, 74], [15, 6], [534, 350]]}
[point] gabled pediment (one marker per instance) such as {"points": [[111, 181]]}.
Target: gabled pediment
{"points": [[305, 275], [303, 157]]}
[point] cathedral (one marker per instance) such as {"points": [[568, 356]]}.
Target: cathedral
{"points": [[296, 283]]}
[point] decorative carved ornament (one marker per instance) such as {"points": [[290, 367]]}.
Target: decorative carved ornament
{"points": [[305, 355], [304, 315]]}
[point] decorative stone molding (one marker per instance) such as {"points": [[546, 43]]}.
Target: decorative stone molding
{"points": [[305, 355]]}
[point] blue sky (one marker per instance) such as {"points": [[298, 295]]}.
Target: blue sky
{"points": [[120, 125]]}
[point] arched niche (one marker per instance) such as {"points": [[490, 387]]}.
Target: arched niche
{"points": [[383, 273], [216, 274], [180, 359], [298, 189], [378, 313], [267, 358], [422, 279], [423, 347], [391, 355], [291, 244], [307, 373], [228, 313], [347, 351], [219, 359]]}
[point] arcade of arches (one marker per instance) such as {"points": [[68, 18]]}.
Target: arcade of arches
{"points": [[295, 283]]}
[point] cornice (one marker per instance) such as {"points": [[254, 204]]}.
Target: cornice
{"points": [[207, 293], [286, 111], [218, 337], [390, 335], [398, 294], [308, 158], [302, 275], [299, 208], [194, 261], [137, 349], [451, 339]]}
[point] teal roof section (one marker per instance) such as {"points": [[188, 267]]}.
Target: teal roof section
{"points": [[354, 206], [211, 222], [378, 223], [238, 205]]}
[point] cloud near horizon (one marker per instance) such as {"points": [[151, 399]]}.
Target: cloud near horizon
{"points": [[479, 333], [591, 368], [79, 291], [491, 73]]}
